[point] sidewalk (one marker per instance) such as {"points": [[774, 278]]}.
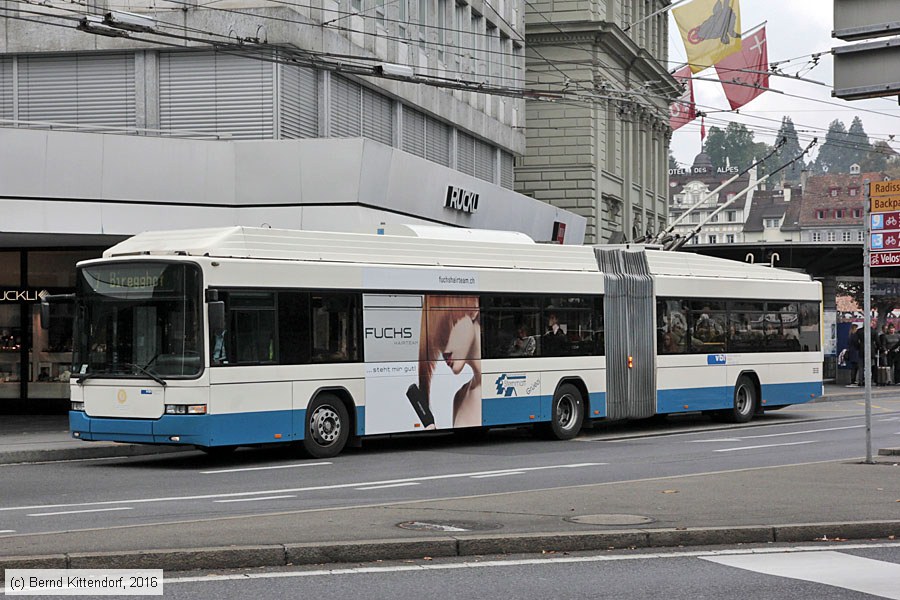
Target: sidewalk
{"points": [[828, 502]]}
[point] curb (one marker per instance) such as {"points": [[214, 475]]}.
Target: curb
{"points": [[280, 555], [111, 451], [889, 452]]}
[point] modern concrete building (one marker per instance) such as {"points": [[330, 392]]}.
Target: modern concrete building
{"points": [[601, 148], [208, 114]]}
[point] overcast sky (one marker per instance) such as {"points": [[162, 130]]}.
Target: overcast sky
{"points": [[794, 28]]}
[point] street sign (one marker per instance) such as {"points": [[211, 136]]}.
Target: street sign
{"points": [[884, 196], [885, 259], [886, 221]]}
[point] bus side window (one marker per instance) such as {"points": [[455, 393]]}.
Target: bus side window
{"points": [[335, 327], [671, 327]]}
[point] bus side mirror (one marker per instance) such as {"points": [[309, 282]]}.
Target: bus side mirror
{"points": [[216, 312]]}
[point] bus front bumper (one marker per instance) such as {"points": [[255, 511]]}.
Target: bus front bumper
{"points": [[168, 429]]}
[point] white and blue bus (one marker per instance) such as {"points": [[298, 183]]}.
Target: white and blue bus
{"points": [[219, 338]]}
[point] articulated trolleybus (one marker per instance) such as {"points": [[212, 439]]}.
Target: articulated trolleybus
{"points": [[219, 338]]}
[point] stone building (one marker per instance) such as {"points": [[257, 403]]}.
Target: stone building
{"points": [[688, 188], [833, 208], [600, 149]]}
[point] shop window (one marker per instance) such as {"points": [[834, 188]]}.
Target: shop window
{"points": [[10, 269], [10, 349], [55, 269]]}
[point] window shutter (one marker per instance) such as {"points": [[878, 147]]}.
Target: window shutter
{"points": [[6, 88], [413, 131], [215, 93], [437, 138], [299, 102], [484, 161], [345, 107], [507, 171], [377, 117], [83, 89], [465, 153]]}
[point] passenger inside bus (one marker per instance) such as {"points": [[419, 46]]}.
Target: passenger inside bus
{"points": [[523, 344]]}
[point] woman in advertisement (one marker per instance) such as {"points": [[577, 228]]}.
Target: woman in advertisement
{"points": [[451, 332]]}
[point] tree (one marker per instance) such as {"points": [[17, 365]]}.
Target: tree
{"points": [[882, 304], [832, 156], [733, 146], [790, 150], [880, 158], [858, 146], [673, 164]]}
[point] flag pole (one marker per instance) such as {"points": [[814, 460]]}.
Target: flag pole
{"points": [[651, 15]]}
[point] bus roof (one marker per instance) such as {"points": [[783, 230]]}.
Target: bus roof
{"points": [[299, 245], [419, 250]]}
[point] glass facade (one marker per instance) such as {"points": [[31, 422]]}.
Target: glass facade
{"points": [[35, 362]]}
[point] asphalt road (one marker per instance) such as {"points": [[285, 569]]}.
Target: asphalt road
{"points": [[98, 494], [851, 571]]}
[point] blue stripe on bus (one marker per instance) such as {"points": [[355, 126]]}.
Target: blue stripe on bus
{"points": [[720, 397], [202, 430], [510, 411]]}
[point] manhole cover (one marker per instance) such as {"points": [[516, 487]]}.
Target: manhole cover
{"points": [[448, 526], [610, 520]]}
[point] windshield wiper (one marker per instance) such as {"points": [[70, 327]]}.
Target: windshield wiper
{"points": [[82, 377], [148, 373]]}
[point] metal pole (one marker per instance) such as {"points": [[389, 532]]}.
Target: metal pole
{"points": [[867, 308]]}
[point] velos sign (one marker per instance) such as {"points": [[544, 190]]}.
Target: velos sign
{"points": [[884, 259]]}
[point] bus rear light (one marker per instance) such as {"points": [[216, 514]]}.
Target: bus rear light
{"points": [[630, 362], [185, 409], [79, 406]]}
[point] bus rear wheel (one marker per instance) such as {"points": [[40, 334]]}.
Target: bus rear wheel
{"points": [[566, 413], [745, 401], [327, 427]]}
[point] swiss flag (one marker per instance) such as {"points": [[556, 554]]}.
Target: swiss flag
{"points": [[683, 110], [745, 74]]}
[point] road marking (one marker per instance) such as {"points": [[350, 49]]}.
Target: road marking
{"points": [[845, 571], [241, 470], [498, 474], [7, 530], [781, 552], [769, 435], [765, 446], [77, 512], [390, 485], [315, 488], [255, 499]]}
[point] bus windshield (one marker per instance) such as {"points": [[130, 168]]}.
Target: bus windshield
{"points": [[138, 319]]}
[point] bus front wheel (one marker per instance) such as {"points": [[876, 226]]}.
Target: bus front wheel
{"points": [[566, 413], [745, 401], [327, 427]]}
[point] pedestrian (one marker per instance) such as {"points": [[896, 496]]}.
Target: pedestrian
{"points": [[854, 349]]}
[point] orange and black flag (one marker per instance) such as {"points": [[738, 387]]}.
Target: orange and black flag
{"points": [[710, 30]]}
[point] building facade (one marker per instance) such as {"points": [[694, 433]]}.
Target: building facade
{"points": [[337, 115], [597, 143], [834, 207], [689, 192]]}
